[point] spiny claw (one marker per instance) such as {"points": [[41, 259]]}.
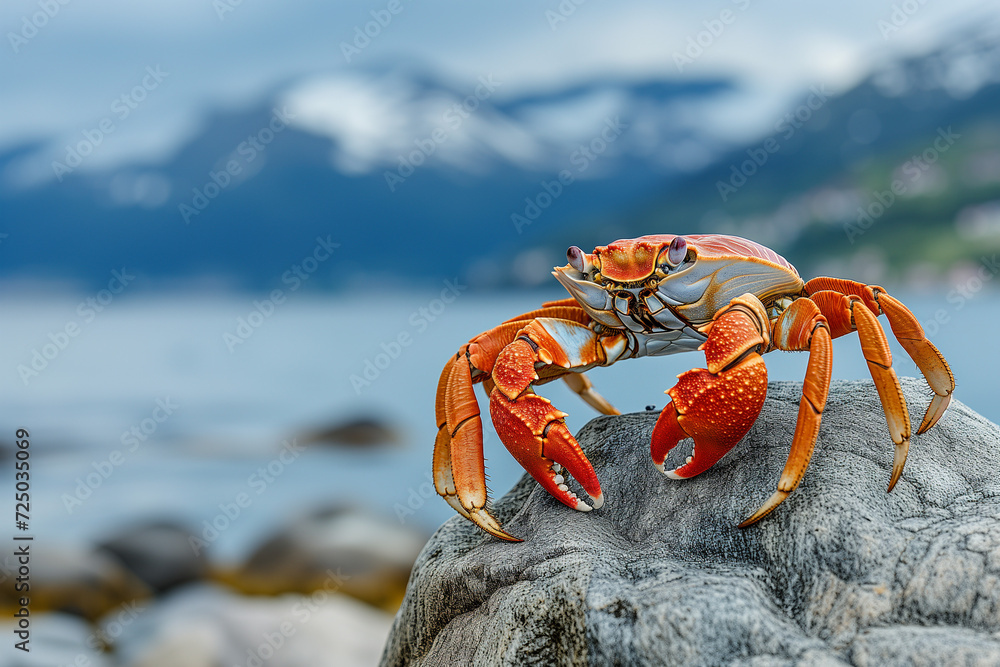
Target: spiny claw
{"points": [[485, 520], [536, 435], [898, 461], [716, 411], [935, 411], [769, 505], [666, 434], [560, 446]]}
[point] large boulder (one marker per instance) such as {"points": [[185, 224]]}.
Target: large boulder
{"points": [[841, 573]]}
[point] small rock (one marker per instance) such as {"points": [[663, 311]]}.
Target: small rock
{"points": [[56, 639], [158, 553], [355, 432], [203, 625], [371, 553], [841, 573], [77, 581]]}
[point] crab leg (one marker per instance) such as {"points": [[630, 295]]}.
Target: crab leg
{"points": [[910, 335], [582, 385], [802, 327], [459, 468], [846, 313], [718, 405], [529, 426], [459, 471]]}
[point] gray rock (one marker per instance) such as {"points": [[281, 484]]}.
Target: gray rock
{"points": [[360, 431], [372, 552], [158, 553], [56, 639], [841, 573], [203, 625], [75, 580]]}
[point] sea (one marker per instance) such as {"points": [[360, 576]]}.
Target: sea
{"points": [[191, 407]]}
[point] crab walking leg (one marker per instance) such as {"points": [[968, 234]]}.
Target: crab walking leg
{"points": [[802, 327], [444, 480], [463, 460], [468, 467], [459, 470], [925, 355], [850, 312], [582, 385], [910, 335], [718, 405], [529, 426]]}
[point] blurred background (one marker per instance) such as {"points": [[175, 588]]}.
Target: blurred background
{"points": [[239, 240]]}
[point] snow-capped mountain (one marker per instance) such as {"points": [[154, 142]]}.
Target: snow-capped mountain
{"points": [[448, 175], [421, 179]]}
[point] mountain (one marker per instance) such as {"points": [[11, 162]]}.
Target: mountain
{"points": [[897, 178], [416, 179], [420, 180]]}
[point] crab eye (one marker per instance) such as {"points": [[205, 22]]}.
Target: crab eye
{"points": [[671, 256], [677, 251], [576, 259]]}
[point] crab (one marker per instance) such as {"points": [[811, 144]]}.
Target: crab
{"points": [[729, 297]]}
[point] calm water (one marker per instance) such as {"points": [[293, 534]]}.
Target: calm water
{"points": [[231, 409]]}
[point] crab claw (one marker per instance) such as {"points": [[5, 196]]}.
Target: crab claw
{"points": [[715, 410], [535, 433]]}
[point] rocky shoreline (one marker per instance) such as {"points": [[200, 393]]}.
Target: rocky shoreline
{"points": [[842, 573]]}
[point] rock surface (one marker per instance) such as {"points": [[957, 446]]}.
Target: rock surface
{"points": [[841, 573]]}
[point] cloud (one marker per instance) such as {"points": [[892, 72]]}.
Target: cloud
{"points": [[89, 53]]}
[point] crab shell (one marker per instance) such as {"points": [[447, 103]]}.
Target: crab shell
{"points": [[667, 288]]}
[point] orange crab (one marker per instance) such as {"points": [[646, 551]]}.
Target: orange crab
{"points": [[729, 297]]}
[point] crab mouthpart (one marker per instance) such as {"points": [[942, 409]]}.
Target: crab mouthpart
{"points": [[597, 301]]}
